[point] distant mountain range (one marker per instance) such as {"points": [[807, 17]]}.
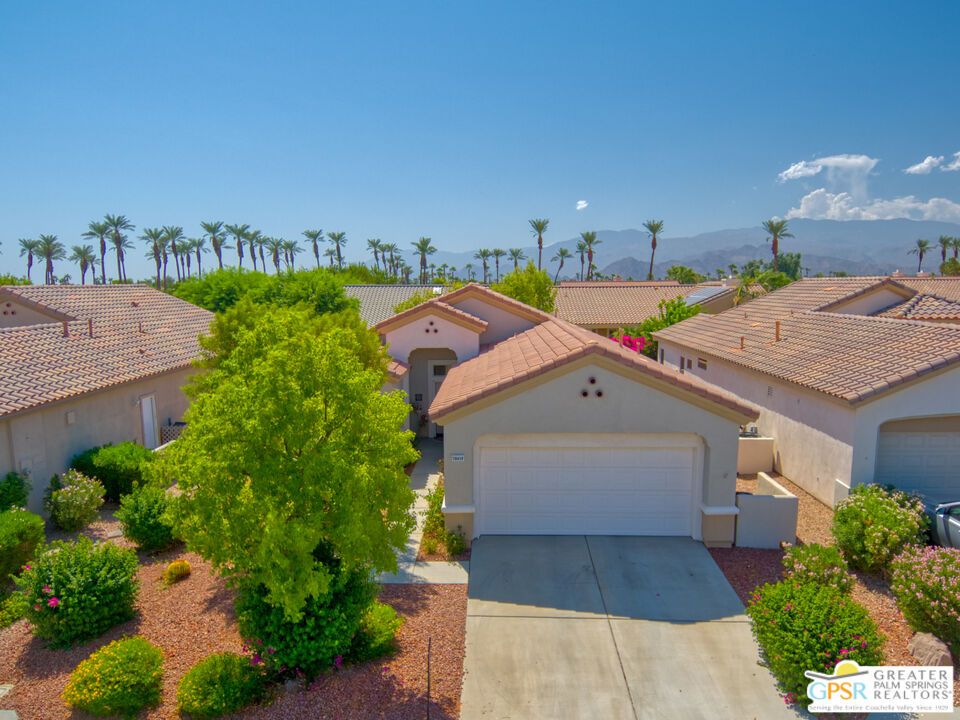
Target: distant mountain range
{"points": [[860, 247]]}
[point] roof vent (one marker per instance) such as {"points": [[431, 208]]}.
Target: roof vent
{"points": [[777, 331], [66, 331]]}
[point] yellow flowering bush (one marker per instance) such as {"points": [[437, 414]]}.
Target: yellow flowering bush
{"points": [[175, 572], [121, 679]]}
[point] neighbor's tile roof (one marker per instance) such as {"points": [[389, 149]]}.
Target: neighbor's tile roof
{"points": [[436, 306], [945, 287], [138, 332], [851, 357], [614, 304], [924, 307], [378, 301], [549, 345]]}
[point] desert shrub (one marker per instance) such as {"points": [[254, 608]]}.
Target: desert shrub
{"points": [[325, 629], [376, 635], [817, 564], [141, 515], [73, 500], [11, 609], [456, 542], [20, 534], [219, 684], [75, 591], [14, 491], [926, 583], [874, 524], [117, 467], [175, 572], [805, 626], [121, 678], [435, 529]]}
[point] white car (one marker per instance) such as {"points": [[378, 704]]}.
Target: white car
{"points": [[945, 524]]}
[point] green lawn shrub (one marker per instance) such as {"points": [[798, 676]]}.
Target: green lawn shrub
{"points": [[220, 684], [117, 467], [141, 515], [14, 491], [73, 500], [875, 523], [926, 583], [21, 532], [75, 591], [820, 564], [806, 626], [121, 678], [376, 636]]}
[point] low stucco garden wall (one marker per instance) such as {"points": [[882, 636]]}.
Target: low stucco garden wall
{"points": [[767, 517]]}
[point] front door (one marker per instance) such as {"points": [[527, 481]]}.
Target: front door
{"points": [[436, 373]]}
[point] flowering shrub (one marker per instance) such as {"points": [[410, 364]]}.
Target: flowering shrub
{"points": [[117, 467], [875, 523], [805, 626], [76, 591], [219, 684], [121, 678], [631, 343], [14, 491], [175, 572], [375, 638], [141, 516], [73, 500], [819, 564], [926, 582], [20, 534]]}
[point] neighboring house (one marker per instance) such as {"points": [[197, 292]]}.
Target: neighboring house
{"points": [[377, 302], [857, 379], [550, 429], [84, 365]]}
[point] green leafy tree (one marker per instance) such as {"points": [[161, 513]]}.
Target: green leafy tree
{"points": [[791, 264], [950, 267], [562, 255], [290, 446], [776, 229], [654, 228], [539, 227], [530, 286], [669, 313], [28, 247], [921, 248], [684, 275]]}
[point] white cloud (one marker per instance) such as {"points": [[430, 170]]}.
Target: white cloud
{"points": [[953, 165], [844, 172], [823, 205], [581, 204], [924, 167]]}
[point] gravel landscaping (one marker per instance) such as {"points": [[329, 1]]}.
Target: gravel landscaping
{"points": [[194, 618]]}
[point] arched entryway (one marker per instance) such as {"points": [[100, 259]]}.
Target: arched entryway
{"points": [[428, 368]]}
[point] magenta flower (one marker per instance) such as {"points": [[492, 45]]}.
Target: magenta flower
{"points": [[255, 660], [36, 608], [47, 590], [338, 661]]}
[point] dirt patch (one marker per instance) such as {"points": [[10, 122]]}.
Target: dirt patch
{"points": [[748, 568], [441, 554]]}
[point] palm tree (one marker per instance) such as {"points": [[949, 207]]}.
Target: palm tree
{"points": [[120, 246], [776, 229], [157, 249], [562, 254], [331, 254], [516, 254], [274, 245], [261, 241], [314, 237], [84, 256], [469, 268], [239, 233], [955, 244], [422, 247], [374, 245], [945, 242], [539, 227], [654, 228], [497, 254], [117, 224], [921, 249], [483, 255], [186, 252], [174, 236], [251, 238], [582, 251], [200, 246], [339, 239], [50, 249], [99, 230], [28, 247], [290, 249], [589, 240], [390, 248], [215, 231]]}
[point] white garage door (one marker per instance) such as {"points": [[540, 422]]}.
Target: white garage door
{"points": [[925, 462], [566, 487]]}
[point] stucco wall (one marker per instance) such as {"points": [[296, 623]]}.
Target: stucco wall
{"points": [[869, 303], [432, 330], [813, 434], [502, 324], [43, 442], [627, 406], [14, 314]]}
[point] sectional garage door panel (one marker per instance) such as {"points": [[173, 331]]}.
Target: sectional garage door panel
{"points": [[925, 462], [584, 490]]}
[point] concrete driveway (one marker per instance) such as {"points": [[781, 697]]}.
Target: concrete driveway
{"points": [[608, 627]]}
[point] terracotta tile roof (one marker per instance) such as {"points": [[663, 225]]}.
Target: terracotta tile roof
{"points": [[924, 307], [549, 345], [476, 290], [378, 301], [138, 332], [397, 369], [432, 306], [850, 357], [614, 305], [945, 287]]}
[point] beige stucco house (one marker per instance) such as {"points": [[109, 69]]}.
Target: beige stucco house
{"points": [[550, 429], [84, 365], [857, 379]]}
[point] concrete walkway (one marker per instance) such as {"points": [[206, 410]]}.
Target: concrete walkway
{"points": [[620, 628], [423, 479]]}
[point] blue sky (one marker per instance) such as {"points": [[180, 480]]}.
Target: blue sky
{"points": [[462, 120]]}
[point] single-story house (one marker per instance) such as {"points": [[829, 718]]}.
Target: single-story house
{"points": [[857, 379], [84, 365], [550, 429]]}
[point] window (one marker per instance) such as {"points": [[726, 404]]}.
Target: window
{"points": [[682, 363], [689, 364], [439, 370], [661, 356], [701, 363]]}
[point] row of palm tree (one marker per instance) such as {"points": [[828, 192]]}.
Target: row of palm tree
{"points": [[945, 243]]}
